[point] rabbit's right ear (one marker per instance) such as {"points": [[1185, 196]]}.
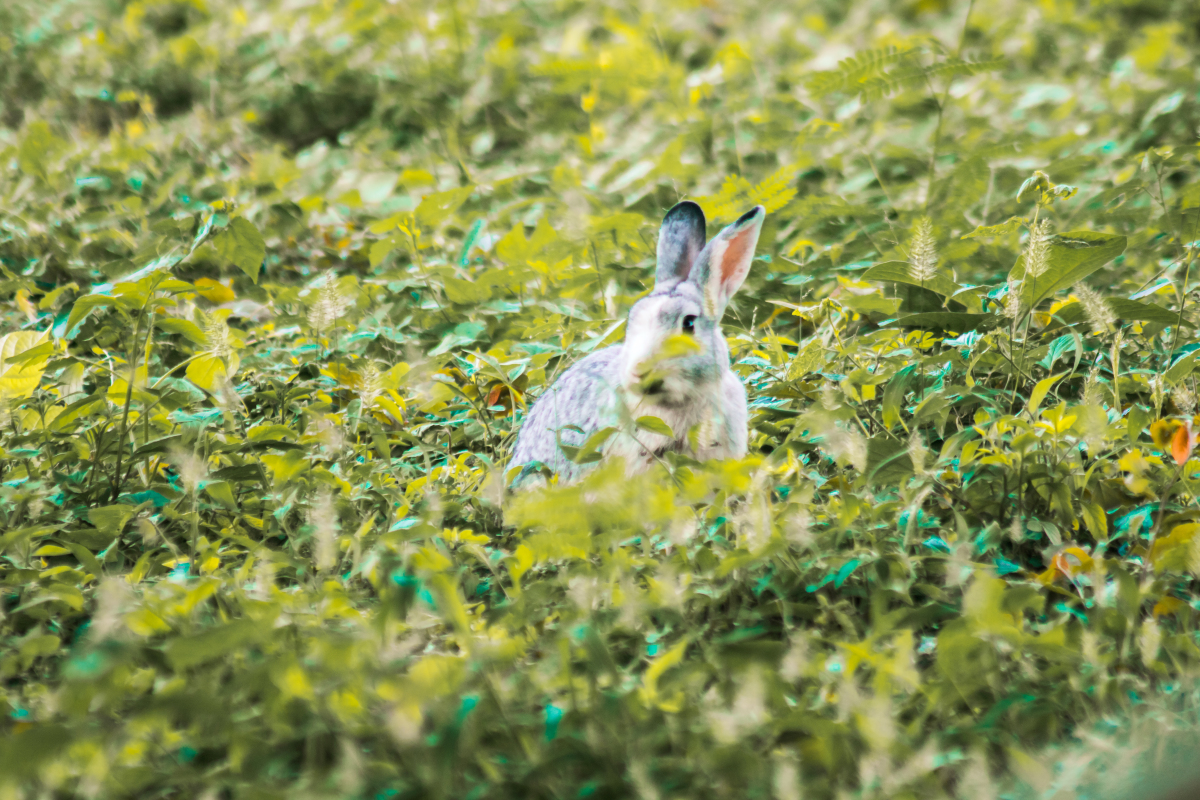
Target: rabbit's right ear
{"points": [[679, 242]]}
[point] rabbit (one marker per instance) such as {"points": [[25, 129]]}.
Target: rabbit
{"points": [[686, 382]]}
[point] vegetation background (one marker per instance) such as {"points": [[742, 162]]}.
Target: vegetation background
{"points": [[280, 280]]}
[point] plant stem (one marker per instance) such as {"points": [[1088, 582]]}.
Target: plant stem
{"points": [[1162, 504], [937, 130], [133, 361]]}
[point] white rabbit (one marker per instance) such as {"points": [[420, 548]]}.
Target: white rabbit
{"points": [[673, 364]]}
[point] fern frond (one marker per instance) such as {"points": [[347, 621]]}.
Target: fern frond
{"points": [[774, 193], [877, 87], [855, 70]]}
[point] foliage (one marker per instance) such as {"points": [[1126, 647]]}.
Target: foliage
{"points": [[280, 280]]}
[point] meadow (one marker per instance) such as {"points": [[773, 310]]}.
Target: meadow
{"points": [[280, 279]]}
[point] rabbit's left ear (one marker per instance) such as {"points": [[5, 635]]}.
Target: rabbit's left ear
{"points": [[679, 242], [724, 262]]}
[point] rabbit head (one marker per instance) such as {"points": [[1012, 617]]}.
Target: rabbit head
{"points": [[674, 350]]}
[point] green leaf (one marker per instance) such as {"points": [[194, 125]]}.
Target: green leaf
{"points": [[589, 451], [465, 292], [1008, 226], [808, 360], [888, 461], [84, 306], [216, 642], [39, 146], [1073, 256], [242, 245], [654, 425], [464, 256], [110, 520], [871, 304], [950, 321], [1135, 311], [222, 492], [381, 249], [437, 207], [898, 272], [183, 327], [893, 395], [1182, 368], [514, 249]]}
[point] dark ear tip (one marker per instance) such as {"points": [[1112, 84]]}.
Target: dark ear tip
{"points": [[686, 208], [750, 216]]}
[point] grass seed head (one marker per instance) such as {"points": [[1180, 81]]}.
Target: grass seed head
{"points": [[922, 259]]}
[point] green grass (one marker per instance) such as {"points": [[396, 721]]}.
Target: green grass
{"points": [[280, 281]]}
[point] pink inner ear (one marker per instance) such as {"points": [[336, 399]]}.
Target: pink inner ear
{"points": [[735, 259]]}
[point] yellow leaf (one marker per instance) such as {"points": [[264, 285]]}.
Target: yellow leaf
{"points": [[294, 683], [285, 467], [800, 244], [215, 292], [467, 537], [519, 563], [344, 375], [658, 666], [1039, 393], [429, 558], [145, 622], [1167, 605], [449, 604], [120, 386], [1097, 522], [1174, 550], [207, 372], [436, 675], [20, 379]]}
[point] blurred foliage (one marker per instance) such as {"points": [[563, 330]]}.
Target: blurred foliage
{"points": [[280, 279]]}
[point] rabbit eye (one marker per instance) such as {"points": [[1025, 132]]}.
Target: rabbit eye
{"points": [[689, 323]]}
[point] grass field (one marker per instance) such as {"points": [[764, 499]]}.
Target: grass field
{"points": [[279, 281]]}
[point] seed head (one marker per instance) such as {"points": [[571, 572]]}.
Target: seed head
{"points": [[370, 387], [1184, 399], [329, 307], [1098, 312], [217, 339], [1037, 252], [1012, 300], [922, 260]]}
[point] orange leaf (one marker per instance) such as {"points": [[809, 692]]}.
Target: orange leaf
{"points": [[1071, 561], [1182, 443]]}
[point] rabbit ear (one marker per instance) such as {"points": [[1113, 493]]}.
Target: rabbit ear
{"points": [[725, 261], [679, 242]]}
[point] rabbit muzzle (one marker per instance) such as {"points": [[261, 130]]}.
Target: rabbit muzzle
{"points": [[668, 382]]}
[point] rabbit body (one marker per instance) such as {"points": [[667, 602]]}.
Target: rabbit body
{"points": [[673, 365]]}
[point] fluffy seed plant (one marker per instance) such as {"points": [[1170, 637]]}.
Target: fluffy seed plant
{"points": [[923, 258], [328, 308]]}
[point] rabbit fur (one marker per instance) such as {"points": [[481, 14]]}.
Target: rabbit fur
{"points": [[686, 382]]}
